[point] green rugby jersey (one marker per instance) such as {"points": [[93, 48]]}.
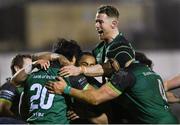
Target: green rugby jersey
{"points": [[44, 107], [11, 94], [119, 49], [145, 101]]}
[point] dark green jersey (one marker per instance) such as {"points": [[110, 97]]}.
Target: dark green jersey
{"points": [[11, 94], [144, 98], [44, 107], [119, 49]]}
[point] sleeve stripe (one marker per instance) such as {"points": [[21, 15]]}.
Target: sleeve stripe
{"points": [[120, 47], [5, 100], [123, 52], [113, 88], [86, 87]]}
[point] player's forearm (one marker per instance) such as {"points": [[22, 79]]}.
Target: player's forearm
{"points": [[42, 55], [95, 96], [51, 56], [172, 98], [88, 96], [20, 76], [172, 83], [95, 70]]}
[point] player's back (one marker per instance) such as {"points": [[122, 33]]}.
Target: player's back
{"points": [[148, 98], [44, 107]]}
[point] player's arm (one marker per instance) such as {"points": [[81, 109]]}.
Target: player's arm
{"points": [[72, 70], [80, 82], [97, 70], [20, 76], [95, 96], [117, 84], [51, 57], [119, 57], [7, 94], [172, 83], [92, 96], [5, 106], [172, 98]]}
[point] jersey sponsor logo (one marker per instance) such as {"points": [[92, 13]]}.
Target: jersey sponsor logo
{"points": [[81, 79], [149, 73], [44, 77], [38, 114], [78, 81]]}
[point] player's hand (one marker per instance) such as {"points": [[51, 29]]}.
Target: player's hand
{"points": [[56, 87], [72, 115], [42, 64], [70, 70], [172, 98]]}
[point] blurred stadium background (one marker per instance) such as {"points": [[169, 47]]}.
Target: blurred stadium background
{"points": [[152, 26]]}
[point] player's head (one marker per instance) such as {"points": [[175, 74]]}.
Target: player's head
{"points": [[109, 10], [87, 59], [69, 48], [20, 61], [142, 58], [106, 21]]}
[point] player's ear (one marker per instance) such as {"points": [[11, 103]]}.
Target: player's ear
{"points": [[16, 68], [114, 24]]}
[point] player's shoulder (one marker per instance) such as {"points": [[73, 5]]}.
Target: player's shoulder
{"points": [[7, 85], [118, 45], [99, 45]]}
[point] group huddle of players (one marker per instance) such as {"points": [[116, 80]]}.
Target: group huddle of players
{"points": [[60, 87]]}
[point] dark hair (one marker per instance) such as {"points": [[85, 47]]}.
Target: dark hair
{"points": [[108, 10], [142, 58], [67, 48], [18, 61], [87, 53]]}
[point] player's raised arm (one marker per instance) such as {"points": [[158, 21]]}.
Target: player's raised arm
{"points": [[19, 77], [51, 57]]}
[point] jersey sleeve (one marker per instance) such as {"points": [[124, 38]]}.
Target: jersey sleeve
{"points": [[93, 81], [7, 92], [110, 67], [121, 80], [79, 82], [122, 53]]}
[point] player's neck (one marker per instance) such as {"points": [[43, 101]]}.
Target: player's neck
{"points": [[112, 36]]}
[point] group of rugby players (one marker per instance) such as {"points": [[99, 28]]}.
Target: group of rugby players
{"points": [[60, 87]]}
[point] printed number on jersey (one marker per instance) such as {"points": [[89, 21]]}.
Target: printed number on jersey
{"points": [[42, 99]]}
